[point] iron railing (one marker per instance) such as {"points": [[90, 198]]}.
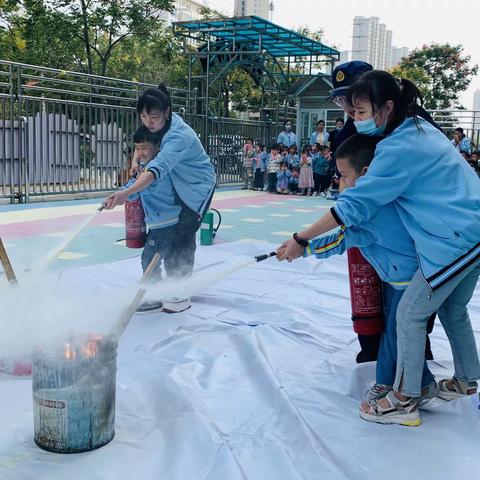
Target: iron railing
{"points": [[70, 132]]}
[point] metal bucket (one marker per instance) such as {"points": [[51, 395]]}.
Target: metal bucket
{"points": [[74, 397]]}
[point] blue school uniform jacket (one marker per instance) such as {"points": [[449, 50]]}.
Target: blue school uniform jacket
{"points": [[313, 137], [319, 164], [287, 138], [435, 192], [160, 204], [283, 178], [390, 251], [184, 160], [260, 161], [293, 160]]}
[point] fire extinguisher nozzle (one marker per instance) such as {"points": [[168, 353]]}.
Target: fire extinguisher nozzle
{"points": [[260, 258]]}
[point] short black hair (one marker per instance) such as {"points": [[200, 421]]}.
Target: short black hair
{"points": [[248, 139], [275, 146], [339, 119], [459, 130], [144, 135], [358, 150]]}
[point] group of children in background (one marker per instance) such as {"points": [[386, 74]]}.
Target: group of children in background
{"points": [[285, 171]]}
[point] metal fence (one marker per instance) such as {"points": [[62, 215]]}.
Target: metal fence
{"points": [[69, 132]]}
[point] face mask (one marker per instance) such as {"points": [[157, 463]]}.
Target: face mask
{"points": [[369, 127]]}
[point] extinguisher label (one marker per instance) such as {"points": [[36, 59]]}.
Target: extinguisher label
{"points": [[205, 226]]}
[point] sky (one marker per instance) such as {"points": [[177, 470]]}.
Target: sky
{"points": [[413, 22]]}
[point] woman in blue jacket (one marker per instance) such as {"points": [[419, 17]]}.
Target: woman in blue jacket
{"points": [[183, 160], [437, 197]]}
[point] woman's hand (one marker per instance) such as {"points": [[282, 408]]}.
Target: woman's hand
{"points": [[289, 250], [117, 198]]}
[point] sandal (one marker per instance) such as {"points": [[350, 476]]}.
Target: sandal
{"points": [[399, 413], [457, 389], [376, 391]]}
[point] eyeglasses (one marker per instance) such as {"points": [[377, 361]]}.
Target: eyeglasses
{"points": [[341, 101]]}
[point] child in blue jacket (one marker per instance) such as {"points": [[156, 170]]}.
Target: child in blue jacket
{"points": [[259, 166], [391, 253], [283, 178]]}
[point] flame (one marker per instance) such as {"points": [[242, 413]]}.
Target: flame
{"points": [[89, 349], [69, 351]]}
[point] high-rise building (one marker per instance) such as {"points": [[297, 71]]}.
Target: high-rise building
{"points": [[397, 54], [371, 42], [259, 8], [186, 10], [345, 56]]}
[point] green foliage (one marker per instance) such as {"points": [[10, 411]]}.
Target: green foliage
{"points": [[440, 71], [80, 34]]}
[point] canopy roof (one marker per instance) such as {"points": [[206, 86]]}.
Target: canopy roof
{"points": [[259, 33]]}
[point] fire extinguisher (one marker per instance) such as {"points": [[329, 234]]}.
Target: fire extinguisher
{"points": [[135, 227], [207, 230], [365, 295]]}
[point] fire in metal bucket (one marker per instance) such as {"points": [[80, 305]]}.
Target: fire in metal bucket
{"points": [[74, 395]]}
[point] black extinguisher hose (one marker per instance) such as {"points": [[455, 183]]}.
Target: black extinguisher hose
{"points": [[215, 229]]}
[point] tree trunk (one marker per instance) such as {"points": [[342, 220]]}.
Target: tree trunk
{"points": [[86, 37]]}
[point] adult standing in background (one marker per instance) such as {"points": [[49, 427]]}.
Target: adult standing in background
{"points": [[287, 138], [339, 124], [320, 135]]}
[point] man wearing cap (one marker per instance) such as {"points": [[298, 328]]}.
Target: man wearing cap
{"points": [[342, 77]]}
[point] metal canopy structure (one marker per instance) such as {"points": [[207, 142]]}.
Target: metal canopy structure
{"points": [[272, 55], [261, 34]]}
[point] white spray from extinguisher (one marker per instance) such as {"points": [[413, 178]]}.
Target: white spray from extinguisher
{"points": [[45, 262], [197, 283]]}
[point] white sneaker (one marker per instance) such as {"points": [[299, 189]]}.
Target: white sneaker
{"points": [[315, 194], [149, 307], [176, 305]]}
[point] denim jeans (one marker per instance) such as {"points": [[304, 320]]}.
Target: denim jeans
{"points": [[387, 354], [176, 245], [415, 307]]}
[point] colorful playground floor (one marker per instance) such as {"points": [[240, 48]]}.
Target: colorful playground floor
{"points": [[32, 230]]}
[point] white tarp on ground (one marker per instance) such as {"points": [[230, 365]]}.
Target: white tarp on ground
{"points": [[256, 381]]}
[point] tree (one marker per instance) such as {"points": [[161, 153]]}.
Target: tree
{"points": [[88, 32], [441, 72]]}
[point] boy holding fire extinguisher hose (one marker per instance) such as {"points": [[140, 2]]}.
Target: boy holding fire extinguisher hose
{"points": [[392, 255], [186, 176]]}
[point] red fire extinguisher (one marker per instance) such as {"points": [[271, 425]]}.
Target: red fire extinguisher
{"points": [[135, 227], [365, 295]]}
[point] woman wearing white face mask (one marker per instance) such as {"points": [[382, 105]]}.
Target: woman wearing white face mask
{"points": [[287, 137], [437, 196]]}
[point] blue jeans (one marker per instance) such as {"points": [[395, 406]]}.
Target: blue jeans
{"points": [[176, 246], [415, 307], [387, 354]]}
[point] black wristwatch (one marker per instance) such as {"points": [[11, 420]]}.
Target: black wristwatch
{"points": [[301, 241]]}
